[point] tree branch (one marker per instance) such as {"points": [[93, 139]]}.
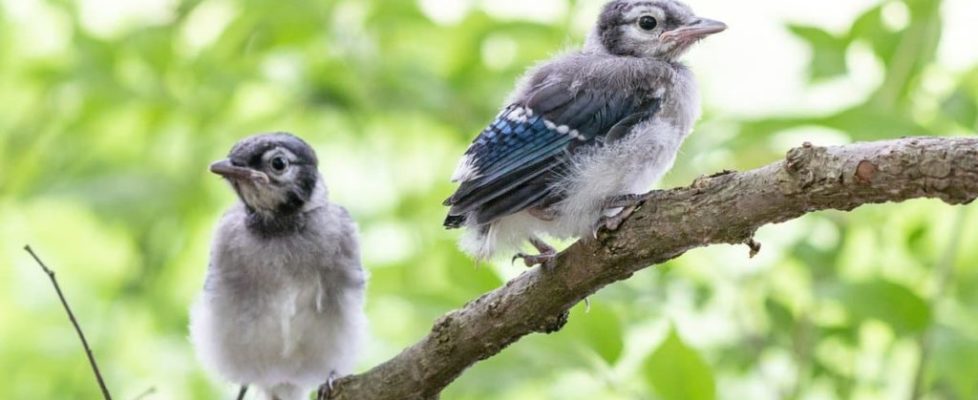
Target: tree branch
{"points": [[74, 321], [725, 208]]}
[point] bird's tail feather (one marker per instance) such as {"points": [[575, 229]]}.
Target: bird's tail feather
{"points": [[454, 221]]}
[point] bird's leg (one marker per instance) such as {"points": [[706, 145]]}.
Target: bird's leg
{"points": [[326, 389], [628, 203], [626, 200], [546, 258], [241, 393]]}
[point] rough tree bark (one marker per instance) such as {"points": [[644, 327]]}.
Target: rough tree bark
{"points": [[725, 208]]}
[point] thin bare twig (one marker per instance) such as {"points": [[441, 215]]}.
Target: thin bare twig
{"points": [[74, 321], [242, 392], [145, 393]]}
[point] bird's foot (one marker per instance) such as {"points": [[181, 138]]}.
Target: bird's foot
{"points": [[629, 203], [326, 389], [544, 260], [547, 257], [626, 200], [614, 222]]}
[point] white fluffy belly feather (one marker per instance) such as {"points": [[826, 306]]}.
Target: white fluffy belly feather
{"points": [[283, 336], [629, 166]]}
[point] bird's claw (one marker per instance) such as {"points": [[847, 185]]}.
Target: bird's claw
{"points": [[547, 257], [546, 260], [628, 203], [628, 200], [613, 222], [326, 389]]}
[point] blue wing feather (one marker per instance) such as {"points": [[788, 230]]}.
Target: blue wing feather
{"points": [[522, 151]]}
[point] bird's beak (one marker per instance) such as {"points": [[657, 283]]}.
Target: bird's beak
{"points": [[230, 171], [695, 31]]}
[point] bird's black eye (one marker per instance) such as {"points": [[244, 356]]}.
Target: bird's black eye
{"points": [[279, 164], [647, 22]]}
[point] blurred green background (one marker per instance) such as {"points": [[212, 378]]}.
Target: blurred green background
{"points": [[112, 110]]}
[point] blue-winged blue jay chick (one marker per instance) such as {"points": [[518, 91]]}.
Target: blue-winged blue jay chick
{"points": [[282, 303], [582, 132]]}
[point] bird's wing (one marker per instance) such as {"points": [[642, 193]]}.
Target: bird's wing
{"points": [[511, 165]]}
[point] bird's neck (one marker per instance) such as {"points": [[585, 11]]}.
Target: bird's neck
{"points": [[592, 45], [274, 224], [319, 197], [287, 220]]}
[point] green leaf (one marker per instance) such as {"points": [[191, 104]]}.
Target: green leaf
{"points": [[847, 333], [469, 278], [868, 123], [962, 108], [952, 365], [677, 372], [599, 329], [870, 28], [781, 317], [896, 305], [821, 262], [828, 51]]}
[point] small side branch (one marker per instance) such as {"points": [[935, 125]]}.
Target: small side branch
{"points": [[74, 321], [146, 393]]}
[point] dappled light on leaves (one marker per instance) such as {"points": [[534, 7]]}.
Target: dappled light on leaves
{"points": [[109, 123]]}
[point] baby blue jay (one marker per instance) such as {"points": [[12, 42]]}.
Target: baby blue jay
{"points": [[583, 134], [282, 304]]}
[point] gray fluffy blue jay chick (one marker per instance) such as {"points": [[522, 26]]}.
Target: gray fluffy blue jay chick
{"points": [[282, 303], [582, 132]]}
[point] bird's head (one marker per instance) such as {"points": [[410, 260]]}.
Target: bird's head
{"points": [[661, 29], [273, 174]]}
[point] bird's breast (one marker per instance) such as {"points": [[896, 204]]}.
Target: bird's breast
{"points": [[681, 102]]}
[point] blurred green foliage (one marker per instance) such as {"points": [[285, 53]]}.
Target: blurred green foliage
{"points": [[108, 124], [676, 372]]}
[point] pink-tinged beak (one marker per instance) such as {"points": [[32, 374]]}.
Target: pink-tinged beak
{"points": [[230, 171], [695, 31]]}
